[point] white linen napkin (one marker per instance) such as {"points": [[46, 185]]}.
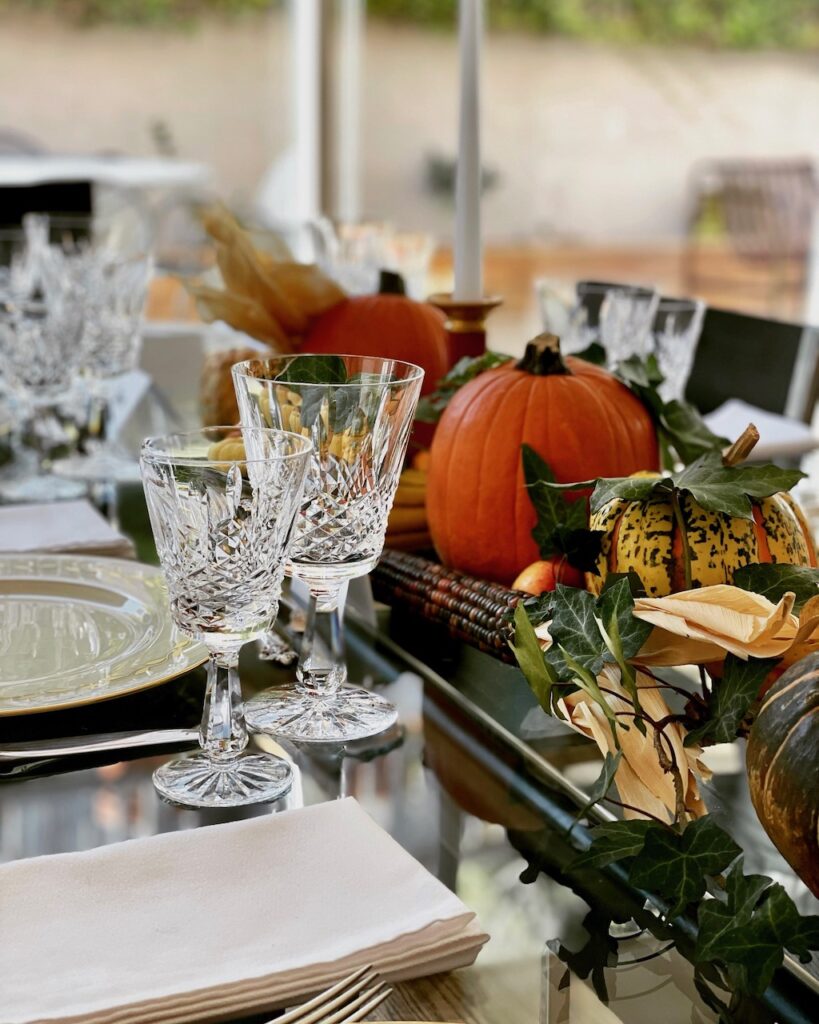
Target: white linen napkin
{"points": [[71, 527], [221, 921]]}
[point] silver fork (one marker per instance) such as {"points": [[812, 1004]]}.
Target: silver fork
{"points": [[350, 999]]}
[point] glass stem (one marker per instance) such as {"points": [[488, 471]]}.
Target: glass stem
{"points": [[99, 414], [322, 667], [223, 734]]}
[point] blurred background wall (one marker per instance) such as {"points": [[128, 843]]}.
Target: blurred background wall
{"points": [[585, 140]]}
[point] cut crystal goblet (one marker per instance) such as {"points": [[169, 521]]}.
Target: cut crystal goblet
{"points": [[223, 505], [358, 412]]}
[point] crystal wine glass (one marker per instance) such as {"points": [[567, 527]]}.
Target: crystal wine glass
{"points": [[358, 411], [39, 359], [626, 315], [676, 331], [223, 504], [112, 286], [616, 316]]}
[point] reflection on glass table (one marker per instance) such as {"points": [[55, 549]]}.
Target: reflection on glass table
{"points": [[477, 785]]}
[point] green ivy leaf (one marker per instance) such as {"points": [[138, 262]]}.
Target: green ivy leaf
{"points": [[624, 635], [717, 918], [617, 603], [728, 489], [588, 683], [631, 488], [775, 579], [751, 933], [635, 584], [641, 373], [538, 609], [431, 406], [594, 354], [601, 784], [684, 429], [323, 369], [574, 627], [561, 526], [744, 891], [674, 866], [730, 699], [615, 841], [679, 425], [539, 675]]}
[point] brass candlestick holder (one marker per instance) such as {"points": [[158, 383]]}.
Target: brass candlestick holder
{"points": [[465, 323]]}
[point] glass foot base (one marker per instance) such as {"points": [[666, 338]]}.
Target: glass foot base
{"points": [[197, 781], [349, 713], [100, 467], [42, 489]]}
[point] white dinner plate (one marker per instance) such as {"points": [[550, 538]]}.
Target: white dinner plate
{"points": [[74, 630]]}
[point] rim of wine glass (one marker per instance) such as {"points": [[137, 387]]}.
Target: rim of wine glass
{"points": [[152, 447], [640, 291], [679, 305], [242, 369]]}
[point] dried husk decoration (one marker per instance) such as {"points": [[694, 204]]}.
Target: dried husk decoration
{"points": [[646, 788], [696, 627], [267, 294]]}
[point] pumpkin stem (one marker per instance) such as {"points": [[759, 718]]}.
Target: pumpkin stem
{"points": [[391, 283], [742, 447], [542, 357]]}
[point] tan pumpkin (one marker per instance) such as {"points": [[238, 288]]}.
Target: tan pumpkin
{"points": [[782, 760], [217, 397], [644, 536]]}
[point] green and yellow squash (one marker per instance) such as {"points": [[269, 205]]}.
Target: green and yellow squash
{"points": [[646, 537]]}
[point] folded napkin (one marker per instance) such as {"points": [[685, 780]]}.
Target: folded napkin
{"points": [[62, 526], [222, 921]]}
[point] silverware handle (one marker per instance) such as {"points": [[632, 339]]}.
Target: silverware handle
{"points": [[100, 742]]}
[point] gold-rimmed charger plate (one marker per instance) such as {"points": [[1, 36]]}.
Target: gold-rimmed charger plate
{"points": [[80, 629]]}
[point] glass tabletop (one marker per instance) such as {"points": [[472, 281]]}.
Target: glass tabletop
{"points": [[476, 782]]}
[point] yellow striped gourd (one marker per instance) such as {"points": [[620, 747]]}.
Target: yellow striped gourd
{"points": [[644, 536]]}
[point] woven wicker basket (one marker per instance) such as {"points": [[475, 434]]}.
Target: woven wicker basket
{"points": [[472, 610]]}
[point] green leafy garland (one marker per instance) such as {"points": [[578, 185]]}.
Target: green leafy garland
{"points": [[745, 923]]}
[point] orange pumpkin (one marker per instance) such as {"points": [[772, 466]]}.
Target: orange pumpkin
{"points": [[392, 326], [576, 416]]}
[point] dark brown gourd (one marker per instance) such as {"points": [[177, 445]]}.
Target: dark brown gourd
{"points": [[782, 762]]}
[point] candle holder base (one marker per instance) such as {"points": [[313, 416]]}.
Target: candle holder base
{"points": [[465, 323]]}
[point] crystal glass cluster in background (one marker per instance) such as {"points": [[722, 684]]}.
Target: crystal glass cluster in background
{"points": [[73, 270], [222, 505], [40, 356], [355, 254], [626, 315], [358, 412], [627, 320], [676, 331], [110, 282], [40, 347]]}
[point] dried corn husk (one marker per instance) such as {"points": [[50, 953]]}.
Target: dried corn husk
{"points": [[641, 781], [266, 294], [242, 314], [698, 626]]}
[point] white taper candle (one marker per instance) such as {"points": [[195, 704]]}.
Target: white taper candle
{"points": [[468, 248]]}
